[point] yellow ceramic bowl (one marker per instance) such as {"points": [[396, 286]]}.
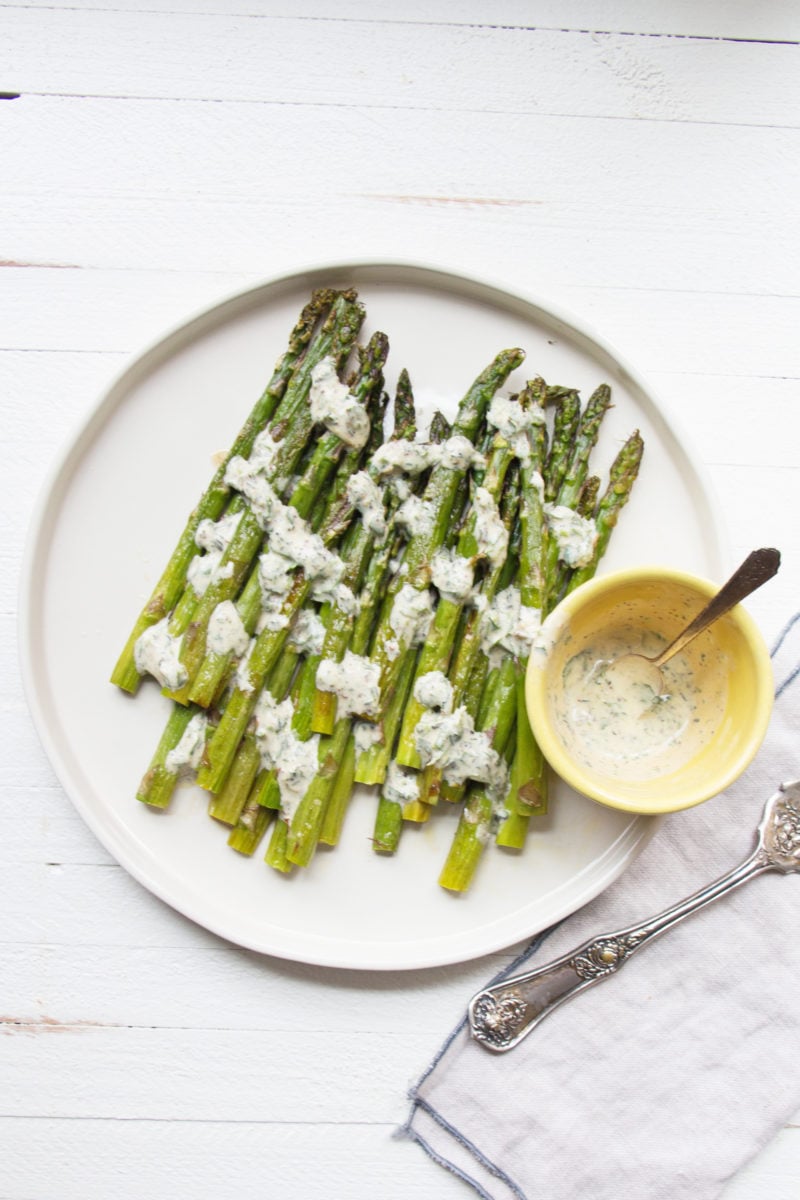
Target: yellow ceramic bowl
{"points": [[652, 755]]}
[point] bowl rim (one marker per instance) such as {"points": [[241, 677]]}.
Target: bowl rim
{"points": [[550, 744]]}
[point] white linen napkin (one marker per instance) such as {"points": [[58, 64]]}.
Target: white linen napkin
{"points": [[664, 1079]]}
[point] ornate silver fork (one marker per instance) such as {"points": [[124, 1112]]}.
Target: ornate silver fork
{"points": [[502, 1015]]}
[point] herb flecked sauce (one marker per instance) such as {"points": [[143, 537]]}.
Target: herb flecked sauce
{"points": [[611, 721]]}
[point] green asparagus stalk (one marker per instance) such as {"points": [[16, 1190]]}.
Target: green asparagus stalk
{"points": [[621, 478], [276, 850], [173, 579], [284, 660], [388, 826], [339, 620], [587, 501], [246, 784], [597, 406], [474, 826], [540, 566], [440, 494], [529, 776], [334, 749], [249, 536], [340, 796], [405, 412], [440, 641], [398, 799], [159, 781], [528, 791], [227, 805], [389, 815], [565, 428], [265, 649], [570, 492], [214, 670], [249, 830], [372, 763], [470, 667]]}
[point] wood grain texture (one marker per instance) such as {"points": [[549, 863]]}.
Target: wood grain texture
{"points": [[379, 64], [637, 164], [715, 19]]}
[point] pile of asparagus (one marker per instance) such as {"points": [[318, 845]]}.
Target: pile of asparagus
{"points": [[341, 609]]}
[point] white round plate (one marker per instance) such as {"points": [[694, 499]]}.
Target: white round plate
{"points": [[108, 521]]}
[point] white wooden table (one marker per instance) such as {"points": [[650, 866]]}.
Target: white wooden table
{"points": [[636, 163]]}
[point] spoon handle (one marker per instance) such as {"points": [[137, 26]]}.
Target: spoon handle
{"points": [[757, 568], [502, 1015]]}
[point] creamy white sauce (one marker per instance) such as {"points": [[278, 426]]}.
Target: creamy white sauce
{"points": [[491, 534], [366, 734], [340, 595], [434, 690], [241, 678], [514, 423], [401, 487], [226, 633], [458, 454], [536, 481], [403, 457], [275, 577], [365, 496], [308, 633], [214, 537], [411, 615], [251, 480], [507, 625], [354, 681], [157, 653], [509, 417], [291, 536], [450, 742], [391, 648], [575, 536], [416, 515], [263, 452], [185, 757], [451, 575], [401, 785], [611, 719], [293, 544], [334, 406], [483, 828], [294, 761]]}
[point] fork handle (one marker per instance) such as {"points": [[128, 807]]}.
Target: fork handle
{"points": [[502, 1015]]}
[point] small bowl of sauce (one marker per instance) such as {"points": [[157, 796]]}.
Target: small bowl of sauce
{"points": [[615, 737]]}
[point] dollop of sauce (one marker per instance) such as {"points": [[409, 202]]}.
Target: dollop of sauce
{"points": [[365, 495], [451, 575], [355, 681], [295, 762], [575, 536], [612, 719], [411, 615], [401, 785], [333, 405], [157, 653], [184, 759], [513, 422], [491, 534]]}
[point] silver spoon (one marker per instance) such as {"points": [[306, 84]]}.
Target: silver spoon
{"points": [[641, 669], [502, 1015]]}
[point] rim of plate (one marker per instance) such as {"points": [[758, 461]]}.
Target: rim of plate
{"points": [[443, 950]]}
